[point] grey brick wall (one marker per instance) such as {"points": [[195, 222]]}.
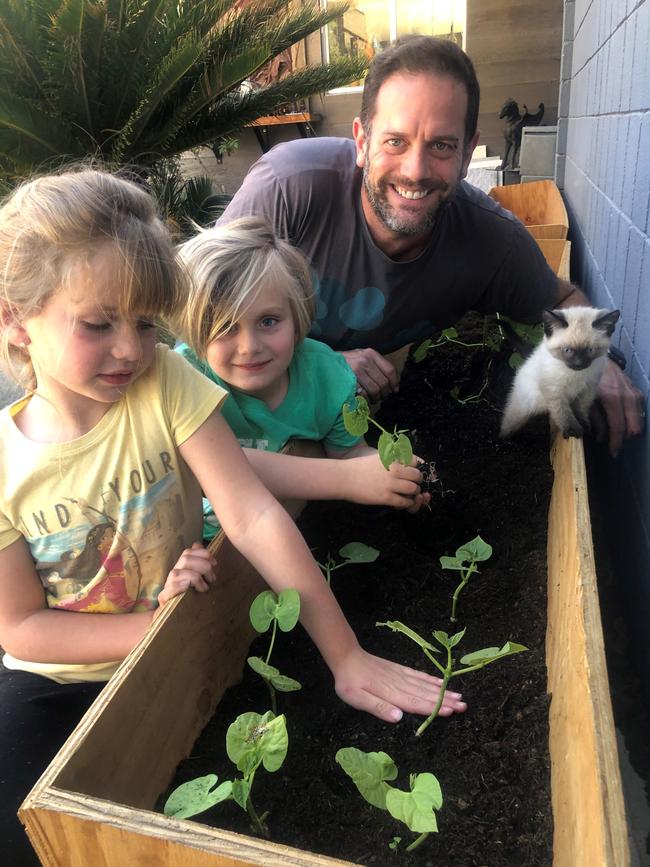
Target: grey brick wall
{"points": [[603, 168]]}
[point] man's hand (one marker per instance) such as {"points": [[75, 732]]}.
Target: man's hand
{"points": [[376, 376], [623, 404]]}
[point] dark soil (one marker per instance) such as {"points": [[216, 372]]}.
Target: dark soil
{"points": [[492, 762]]}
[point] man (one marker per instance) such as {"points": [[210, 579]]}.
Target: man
{"points": [[400, 245]]}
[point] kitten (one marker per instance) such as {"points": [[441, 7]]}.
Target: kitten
{"points": [[561, 376]]}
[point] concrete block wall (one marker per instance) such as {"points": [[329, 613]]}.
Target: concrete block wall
{"points": [[603, 168]]}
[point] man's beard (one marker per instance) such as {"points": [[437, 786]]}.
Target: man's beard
{"points": [[390, 217]]}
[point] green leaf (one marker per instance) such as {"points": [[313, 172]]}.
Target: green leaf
{"points": [[356, 420], [285, 684], [268, 672], [416, 808], [450, 333], [368, 772], [489, 654], [420, 352], [515, 361], [386, 449], [358, 552], [441, 636], [474, 551], [241, 789], [403, 450], [451, 563], [253, 739], [262, 610], [196, 796], [288, 609], [398, 626], [394, 843]]}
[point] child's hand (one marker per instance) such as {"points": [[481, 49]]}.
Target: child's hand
{"points": [[195, 568], [386, 689], [372, 484]]}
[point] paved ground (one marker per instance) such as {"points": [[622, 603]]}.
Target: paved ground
{"points": [[8, 391]]}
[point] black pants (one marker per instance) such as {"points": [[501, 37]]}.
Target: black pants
{"points": [[36, 717]]}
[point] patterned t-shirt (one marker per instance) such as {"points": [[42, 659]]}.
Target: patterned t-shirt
{"points": [[107, 515]]}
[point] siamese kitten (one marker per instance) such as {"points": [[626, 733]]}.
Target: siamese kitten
{"points": [[561, 376]]}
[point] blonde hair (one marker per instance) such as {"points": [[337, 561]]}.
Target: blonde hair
{"points": [[49, 224], [229, 266]]}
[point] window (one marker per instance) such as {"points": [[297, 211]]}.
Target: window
{"points": [[370, 25]]}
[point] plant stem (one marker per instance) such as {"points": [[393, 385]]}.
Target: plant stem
{"points": [[446, 674], [258, 825], [417, 841], [454, 599]]}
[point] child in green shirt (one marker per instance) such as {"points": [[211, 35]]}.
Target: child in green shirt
{"points": [[245, 325]]}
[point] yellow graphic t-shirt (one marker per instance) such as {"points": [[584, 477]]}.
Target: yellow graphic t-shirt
{"points": [[107, 515]]}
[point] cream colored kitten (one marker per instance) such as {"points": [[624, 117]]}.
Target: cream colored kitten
{"points": [[561, 376]]}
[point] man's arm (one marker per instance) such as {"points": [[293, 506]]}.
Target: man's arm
{"points": [[621, 400]]}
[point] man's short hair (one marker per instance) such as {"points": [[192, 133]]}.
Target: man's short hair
{"points": [[417, 54]]}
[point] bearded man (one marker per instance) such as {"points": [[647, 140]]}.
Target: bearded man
{"points": [[400, 245]]}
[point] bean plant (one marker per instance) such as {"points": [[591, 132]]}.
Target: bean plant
{"points": [[282, 611], [371, 773], [467, 556], [392, 447], [252, 740], [471, 661], [353, 552]]}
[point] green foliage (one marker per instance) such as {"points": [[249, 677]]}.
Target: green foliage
{"points": [[282, 611], [131, 82], [471, 661], [353, 552], [252, 740], [370, 773], [467, 556], [392, 447]]}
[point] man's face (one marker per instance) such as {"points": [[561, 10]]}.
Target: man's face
{"points": [[413, 156]]}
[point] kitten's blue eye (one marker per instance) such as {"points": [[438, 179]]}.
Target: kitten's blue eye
{"points": [[567, 350]]}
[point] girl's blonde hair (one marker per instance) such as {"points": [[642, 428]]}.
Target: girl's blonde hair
{"points": [[52, 223], [229, 266]]}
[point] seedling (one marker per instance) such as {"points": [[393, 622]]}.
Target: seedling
{"points": [[353, 552], [282, 611], [467, 556], [448, 335], [370, 773], [472, 661], [392, 447], [252, 740]]}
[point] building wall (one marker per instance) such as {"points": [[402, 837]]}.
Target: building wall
{"points": [[603, 167], [515, 46]]}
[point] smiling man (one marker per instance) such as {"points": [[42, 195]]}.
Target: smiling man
{"points": [[400, 245]]}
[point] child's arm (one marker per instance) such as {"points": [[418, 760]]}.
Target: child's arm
{"points": [[261, 529], [359, 479], [31, 631]]}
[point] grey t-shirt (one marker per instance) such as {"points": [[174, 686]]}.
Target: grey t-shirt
{"points": [[479, 256]]}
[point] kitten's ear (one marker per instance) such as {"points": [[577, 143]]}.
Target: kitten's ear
{"points": [[552, 319], [607, 321]]}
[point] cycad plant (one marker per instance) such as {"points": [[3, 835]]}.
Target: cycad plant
{"points": [[137, 81]]}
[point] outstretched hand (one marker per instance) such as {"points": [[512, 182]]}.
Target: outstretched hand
{"points": [[194, 568], [387, 690], [372, 484], [623, 405], [376, 375]]}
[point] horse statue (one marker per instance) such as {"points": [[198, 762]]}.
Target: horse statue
{"points": [[515, 122]]}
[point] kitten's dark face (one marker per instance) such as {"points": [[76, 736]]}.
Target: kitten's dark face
{"points": [[577, 336]]}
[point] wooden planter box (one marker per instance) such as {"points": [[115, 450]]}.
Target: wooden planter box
{"points": [[539, 206], [93, 804]]}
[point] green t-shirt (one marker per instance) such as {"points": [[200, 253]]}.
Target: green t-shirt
{"points": [[320, 382]]}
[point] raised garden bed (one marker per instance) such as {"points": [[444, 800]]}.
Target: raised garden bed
{"points": [[95, 800]]}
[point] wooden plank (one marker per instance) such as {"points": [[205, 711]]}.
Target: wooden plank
{"points": [[588, 808], [77, 831]]}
